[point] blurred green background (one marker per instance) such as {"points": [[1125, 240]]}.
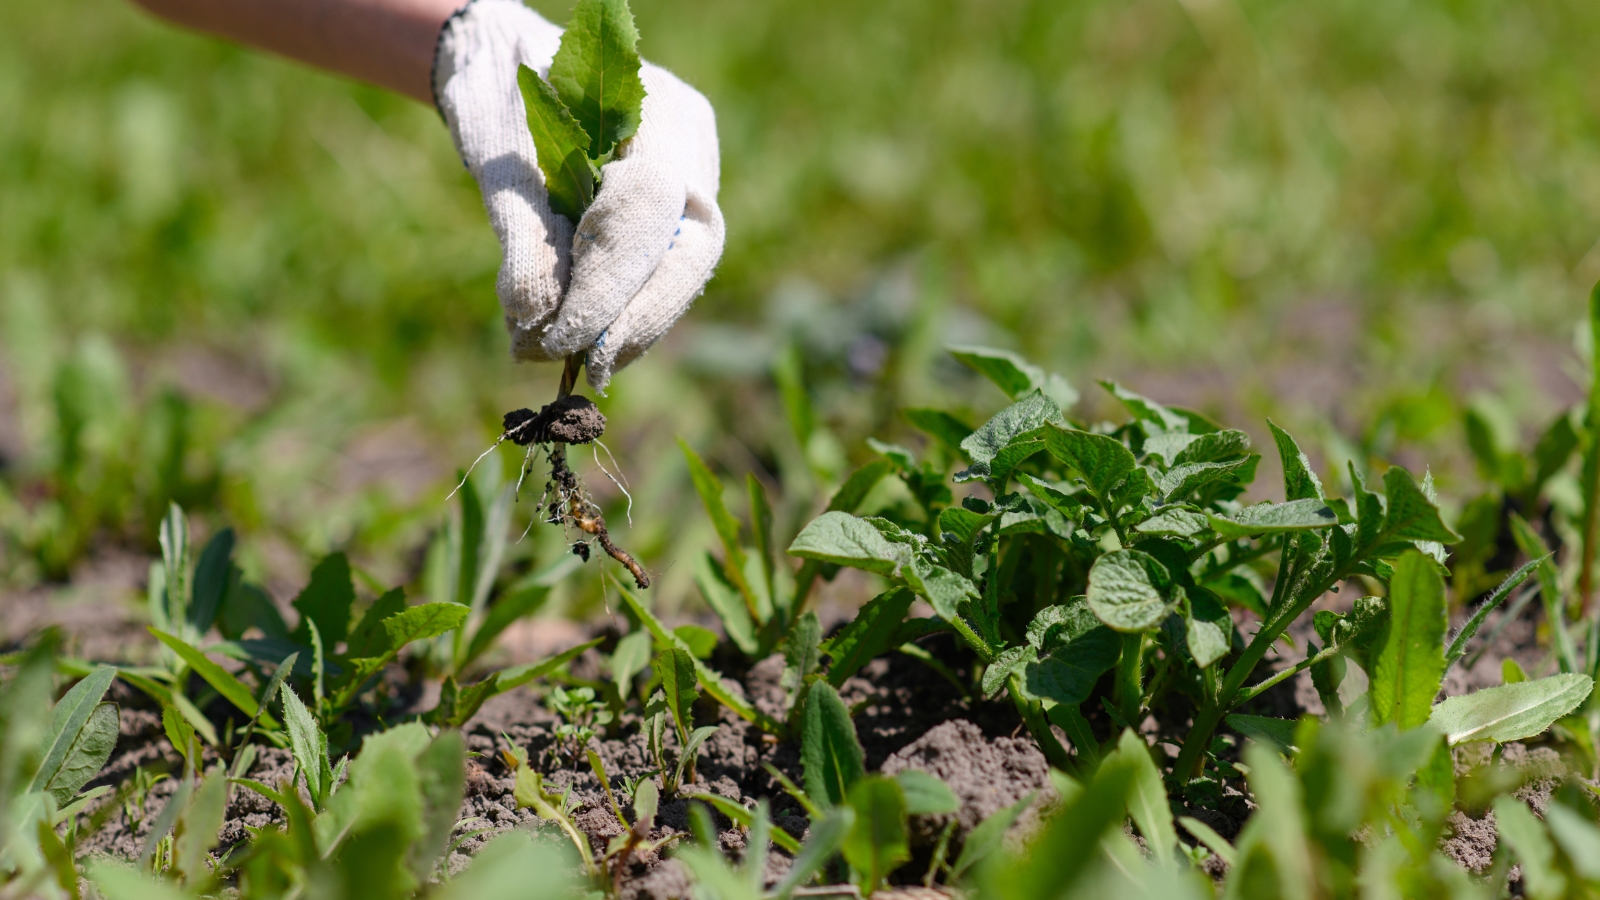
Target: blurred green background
{"points": [[268, 294]]}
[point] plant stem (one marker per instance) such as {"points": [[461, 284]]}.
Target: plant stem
{"points": [[1129, 692], [1033, 716], [1256, 689]]}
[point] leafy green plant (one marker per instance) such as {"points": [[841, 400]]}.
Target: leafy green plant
{"points": [[579, 713], [588, 105]]}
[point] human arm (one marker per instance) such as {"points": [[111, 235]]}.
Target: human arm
{"points": [[388, 43]]}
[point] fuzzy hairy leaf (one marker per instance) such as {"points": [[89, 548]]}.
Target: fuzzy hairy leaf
{"points": [[1409, 663], [1206, 640], [1102, 461], [561, 145], [306, 742], [1000, 669], [1411, 516], [1510, 712], [1181, 481], [596, 73], [1216, 446], [1175, 521], [1010, 437], [1131, 591], [830, 753], [418, 623], [943, 589]]}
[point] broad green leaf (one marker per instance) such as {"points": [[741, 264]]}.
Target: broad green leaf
{"points": [[211, 576], [700, 641], [1130, 591], [1274, 855], [561, 145], [1207, 641], [1355, 632], [941, 426], [1181, 481], [86, 755], [1551, 453], [1274, 518], [1147, 800], [1175, 521], [418, 623], [1056, 626], [1409, 663], [1577, 837], [68, 719], [1008, 661], [860, 483], [870, 634], [596, 73], [1068, 846], [231, 688], [1167, 445], [1299, 479], [830, 753], [988, 836], [1009, 372], [368, 638], [1030, 413], [997, 470], [306, 742], [246, 605], [1411, 516], [844, 540], [709, 487], [802, 650], [1074, 649], [960, 529], [1511, 712], [676, 669], [1159, 417], [441, 775], [879, 842], [180, 734], [1102, 461], [1521, 830], [513, 866], [1275, 733], [1216, 446], [725, 600], [943, 589], [326, 600], [925, 794]]}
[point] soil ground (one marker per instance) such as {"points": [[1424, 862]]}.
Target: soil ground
{"points": [[911, 718]]}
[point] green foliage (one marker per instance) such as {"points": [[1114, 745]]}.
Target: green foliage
{"points": [[829, 750], [590, 104], [878, 843], [1410, 653]]}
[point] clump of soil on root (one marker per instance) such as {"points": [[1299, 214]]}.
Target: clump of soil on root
{"points": [[570, 419]]}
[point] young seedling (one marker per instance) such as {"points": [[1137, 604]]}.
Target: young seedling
{"points": [[579, 118], [579, 713]]}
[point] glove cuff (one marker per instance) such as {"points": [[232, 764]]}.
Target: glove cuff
{"points": [[532, 39], [438, 50]]}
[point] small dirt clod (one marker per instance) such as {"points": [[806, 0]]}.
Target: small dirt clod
{"points": [[569, 420]]}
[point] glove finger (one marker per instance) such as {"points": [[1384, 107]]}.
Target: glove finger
{"points": [[680, 278], [624, 235], [476, 86]]}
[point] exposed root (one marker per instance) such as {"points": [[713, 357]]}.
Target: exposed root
{"points": [[570, 419]]}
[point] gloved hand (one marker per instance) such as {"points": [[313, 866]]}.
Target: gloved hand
{"points": [[645, 247]]}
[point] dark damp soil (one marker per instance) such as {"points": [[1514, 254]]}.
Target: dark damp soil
{"points": [[910, 717], [569, 420]]}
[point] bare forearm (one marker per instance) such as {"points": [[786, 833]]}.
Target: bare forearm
{"points": [[386, 42]]}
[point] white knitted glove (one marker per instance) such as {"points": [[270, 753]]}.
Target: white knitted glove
{"points": [[647, 245]]}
